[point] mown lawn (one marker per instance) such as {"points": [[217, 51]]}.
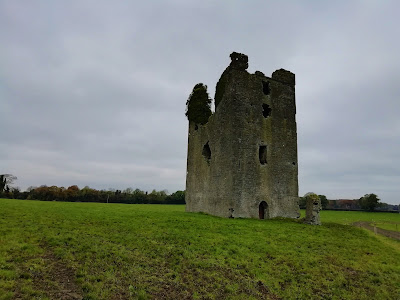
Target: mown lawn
{"points": [[117, 251]]}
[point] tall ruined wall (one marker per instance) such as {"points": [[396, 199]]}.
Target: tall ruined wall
{"points": [[247, 151]]}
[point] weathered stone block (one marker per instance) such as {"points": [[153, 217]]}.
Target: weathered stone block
{"points": [[284, 76], [313, 206]]}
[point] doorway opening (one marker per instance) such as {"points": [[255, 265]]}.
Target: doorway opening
{"points": [[263, 210]]}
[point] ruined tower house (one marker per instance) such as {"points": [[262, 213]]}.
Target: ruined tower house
{"points": [[242, 163]]}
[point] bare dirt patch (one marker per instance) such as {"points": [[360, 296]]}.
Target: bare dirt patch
{"points": [[57, 280]]}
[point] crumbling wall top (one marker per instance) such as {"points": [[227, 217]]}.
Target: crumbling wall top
{"points": [[239, 61], [284, 76]]}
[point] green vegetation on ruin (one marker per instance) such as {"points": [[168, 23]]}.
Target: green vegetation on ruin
{"points": [[198, 105], [160, 252]]}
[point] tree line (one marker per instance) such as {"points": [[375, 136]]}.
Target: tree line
{"points": [[368, 202], [87, 194]]}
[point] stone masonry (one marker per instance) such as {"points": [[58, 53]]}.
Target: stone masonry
{"points": [[243, 162], [313, 207]]}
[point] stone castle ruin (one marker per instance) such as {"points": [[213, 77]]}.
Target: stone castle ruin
{"points": [[242, 159]]}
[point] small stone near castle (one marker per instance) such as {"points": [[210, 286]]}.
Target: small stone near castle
{"points": [[313, 206]]}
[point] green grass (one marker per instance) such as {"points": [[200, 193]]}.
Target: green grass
{"points": [[388, 226], [161, 252], [388, 221], [349, 217]]}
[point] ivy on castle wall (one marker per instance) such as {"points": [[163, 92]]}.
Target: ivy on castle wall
{"points": [[198, 105]]}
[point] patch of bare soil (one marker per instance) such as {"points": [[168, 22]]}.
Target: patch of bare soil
{"points": [[387, 233], [57, 280]]}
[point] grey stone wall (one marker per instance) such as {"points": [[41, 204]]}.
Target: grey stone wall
{"points": [[243, 161]]}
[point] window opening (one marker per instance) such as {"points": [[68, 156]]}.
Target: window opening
{"points": [[266, 110], [266, 89], [262, 155], [207, 153]]}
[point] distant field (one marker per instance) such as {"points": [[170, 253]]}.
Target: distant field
{"points": [[349, 217], [388, 225], [117, 251]]}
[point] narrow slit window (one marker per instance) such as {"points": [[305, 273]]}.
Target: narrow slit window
{"points": [[266, 88], [207, 153], [262, 155]]}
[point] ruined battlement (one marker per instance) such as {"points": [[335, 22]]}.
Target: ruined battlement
{"points": [[239, 61], [242, 162], [284, 76]]}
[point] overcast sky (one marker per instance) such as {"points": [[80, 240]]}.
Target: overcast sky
{"points": [[93, 92]]}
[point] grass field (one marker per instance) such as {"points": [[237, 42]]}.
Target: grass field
{"points": [[117, 251], [349, 217], [393, 226]]}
